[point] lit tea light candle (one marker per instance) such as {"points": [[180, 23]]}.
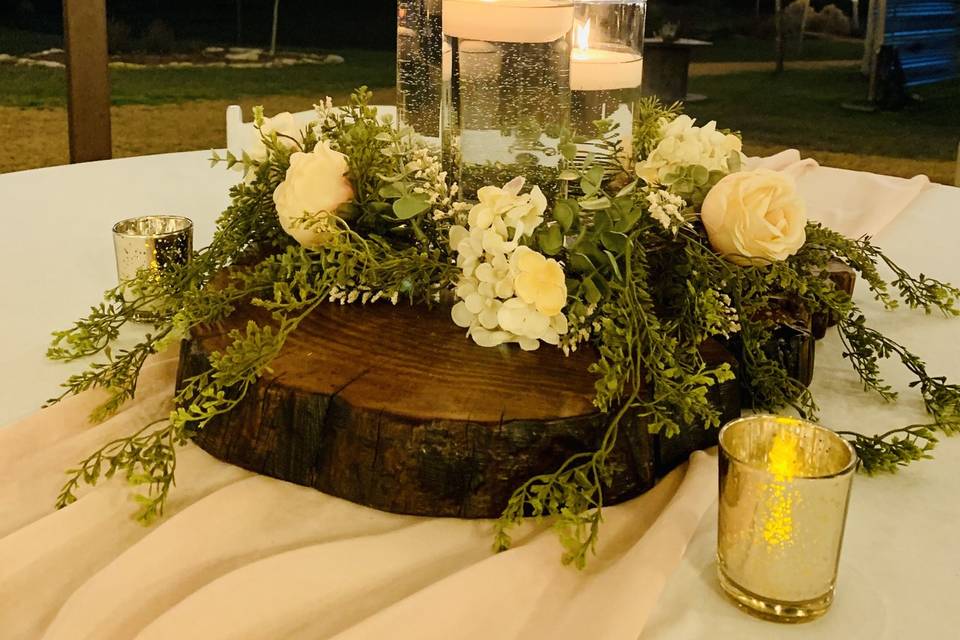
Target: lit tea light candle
{"points": [[784, 490], [593, 69], [783, 464], [507, 20]]}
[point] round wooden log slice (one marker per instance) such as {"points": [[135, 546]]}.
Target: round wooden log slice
{"points": [[394, 408]]}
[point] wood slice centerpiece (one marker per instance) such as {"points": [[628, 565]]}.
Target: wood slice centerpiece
{"points": [[394, 408]]}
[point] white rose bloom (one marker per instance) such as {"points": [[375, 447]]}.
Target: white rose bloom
{"points": [[754, 217], [315, 185], [682, 144]]}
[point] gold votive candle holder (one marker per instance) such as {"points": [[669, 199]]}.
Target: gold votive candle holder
{"points": [[784, 490], [155, 243]]}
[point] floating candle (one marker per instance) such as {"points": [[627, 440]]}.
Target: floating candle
{"points": [[597, 69], [507, 20]]}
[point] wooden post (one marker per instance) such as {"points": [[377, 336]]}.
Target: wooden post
{"points": [[956, 177], [88, 80], [876, 27], [781, 46], [803, 25], [273, 31]]}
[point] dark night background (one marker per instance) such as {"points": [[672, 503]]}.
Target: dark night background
{"points": [[327, 24]]}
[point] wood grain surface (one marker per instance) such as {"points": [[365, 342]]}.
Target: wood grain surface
{"points": [[395, 408]]}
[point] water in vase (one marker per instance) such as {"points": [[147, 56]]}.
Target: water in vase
{"points": [[606, 73], [506, 97], [419, 45]]}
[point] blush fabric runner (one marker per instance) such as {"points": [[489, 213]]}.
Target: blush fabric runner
{"points": [[244, 556], [854, 203]]}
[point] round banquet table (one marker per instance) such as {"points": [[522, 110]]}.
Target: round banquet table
{"points": [[899, 574]]}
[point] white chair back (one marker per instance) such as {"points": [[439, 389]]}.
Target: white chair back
{"points": [[240, 132]]}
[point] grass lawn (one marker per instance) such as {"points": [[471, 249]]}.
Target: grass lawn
{"points": [[40, 87], [801, 108], [750, 49]]}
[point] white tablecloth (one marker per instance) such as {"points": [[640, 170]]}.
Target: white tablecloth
{"points": [[900, 571]]}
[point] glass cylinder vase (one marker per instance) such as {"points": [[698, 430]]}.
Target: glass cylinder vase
{"points": [[419, 61], [506, 91], [784, 490], [606, 73]]}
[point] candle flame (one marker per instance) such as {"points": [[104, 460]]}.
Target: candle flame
{"points": [[582, 35], [783, 462]]}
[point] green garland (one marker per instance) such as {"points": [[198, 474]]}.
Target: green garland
{"points": [[644, 296]]}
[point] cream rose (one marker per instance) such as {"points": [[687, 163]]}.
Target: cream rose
{"points": [[315, 185], [754, 217]]}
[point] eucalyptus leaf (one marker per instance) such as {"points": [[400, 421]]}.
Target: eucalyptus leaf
{"points": [[591, 292], [550, 240], [700, 175], [602, 221], [580, 262], [628, 220], [565, 213], [392, 190], [589, 188], [627, 190], [591, 249], [595, 204], [348, 211], [614, 264], [409, 207], [734, 161], [614, 241], [595, 174]]}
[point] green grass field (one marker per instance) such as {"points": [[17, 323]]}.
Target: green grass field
{"points": [[39, 87], [749, 49], [802, 108]]}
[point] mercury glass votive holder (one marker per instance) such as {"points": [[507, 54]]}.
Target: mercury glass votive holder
{"points": [[606, 74], [506, 90], [784, 490], [155, 244]]}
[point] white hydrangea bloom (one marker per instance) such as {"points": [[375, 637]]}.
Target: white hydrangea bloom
{"points": [[666, 208], [506, 207], [683, 145], [507, 292]]}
